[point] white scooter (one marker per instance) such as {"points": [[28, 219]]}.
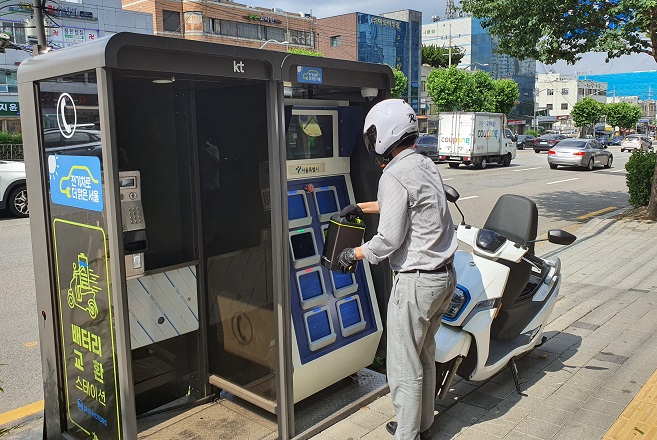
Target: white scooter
{"points": [[504, 294]]}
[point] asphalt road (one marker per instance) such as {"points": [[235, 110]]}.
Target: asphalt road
{"points": [[562, 196]]}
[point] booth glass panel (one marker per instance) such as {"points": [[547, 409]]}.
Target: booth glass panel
{"points": [[236, 222], [76, 215], [154, 151]]}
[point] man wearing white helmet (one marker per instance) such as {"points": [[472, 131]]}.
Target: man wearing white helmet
{"points": [[417, 235]]}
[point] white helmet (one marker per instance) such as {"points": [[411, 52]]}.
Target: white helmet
{"points": [[387, 125]]}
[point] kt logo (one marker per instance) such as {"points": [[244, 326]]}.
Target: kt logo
{"points": [[238, 67]]}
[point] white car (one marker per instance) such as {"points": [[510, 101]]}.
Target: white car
{"points": [[636, 142], [13, 189]]}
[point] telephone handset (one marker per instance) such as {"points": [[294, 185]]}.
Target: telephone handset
{"points": [[134, 227]]}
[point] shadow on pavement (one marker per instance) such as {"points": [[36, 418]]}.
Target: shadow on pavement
{"points": [[471, 403], [568, 205]]}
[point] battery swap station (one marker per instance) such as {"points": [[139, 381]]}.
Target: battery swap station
{"points": [[177, 250]]}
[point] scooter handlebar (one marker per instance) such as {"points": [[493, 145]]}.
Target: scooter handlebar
{"points": [[498, 248]]}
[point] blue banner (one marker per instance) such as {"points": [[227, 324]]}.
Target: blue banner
{"points": [[309, 75], [76, 181]]}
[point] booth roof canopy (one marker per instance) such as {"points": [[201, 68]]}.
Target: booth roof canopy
{"points": [[178, 56]]}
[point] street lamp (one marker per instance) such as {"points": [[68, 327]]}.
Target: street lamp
{"points": [[275, 42]]}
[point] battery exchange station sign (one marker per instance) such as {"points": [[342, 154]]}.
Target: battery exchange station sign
{"points": [[309, 75], [87, 333]]}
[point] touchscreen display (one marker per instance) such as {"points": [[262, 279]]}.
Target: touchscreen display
{"points": [[318, 325], [296, 207], [326, 201], [311, 285], [303, 245]]}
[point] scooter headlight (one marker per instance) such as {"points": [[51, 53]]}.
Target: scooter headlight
{"points": [[459, 300]]}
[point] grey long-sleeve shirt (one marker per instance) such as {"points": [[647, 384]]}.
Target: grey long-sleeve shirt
{"points": [[415, 228]]}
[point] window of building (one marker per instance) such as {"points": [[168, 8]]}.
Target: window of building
{"points": [[228, 28], [274, 33], [170, 21], [564, 106], [564, 91], [16, 31], [248, 30], [550, 92], [8, 81], [336, 41], [580, 91], [550, 106], [301, 38]]}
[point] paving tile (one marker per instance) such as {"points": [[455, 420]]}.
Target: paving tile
{"points": [[563, 403], [446, 427], [578, 431], [552, 415], [611, 409], [496, 427], [509, 414], [368, 418], [380, 433], [473, 434], [595, 419], [573, 392], [466, 412], [616, 396], [586, 381], [501, 390], [383, 405], [517, 435], [482, 400], [345, 429], [537, 428]]}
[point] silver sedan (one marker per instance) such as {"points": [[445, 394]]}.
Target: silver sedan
{"points": [[587, 153]]}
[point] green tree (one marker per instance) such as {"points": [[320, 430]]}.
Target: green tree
{"points": [[623, 114], [401, 84], [588, 111], [302, 51], [504, 96], [459, 90], [436, 57], [554, 30]]}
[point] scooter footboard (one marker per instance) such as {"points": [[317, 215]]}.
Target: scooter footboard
{"points": [[451, 342]]}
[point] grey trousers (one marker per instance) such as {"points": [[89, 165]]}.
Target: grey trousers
{"points": [[417, 303]]}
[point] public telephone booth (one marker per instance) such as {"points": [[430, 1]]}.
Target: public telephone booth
{"points": [[179, 194]]}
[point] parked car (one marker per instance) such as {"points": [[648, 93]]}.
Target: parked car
{"points": [[587, 153], [547, 141], [635, 142], [13, 189], [427, 145], [524, 140], [604, 140], [82, 143]]}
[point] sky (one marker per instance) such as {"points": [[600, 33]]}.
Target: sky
{"points": [[591, 63]]}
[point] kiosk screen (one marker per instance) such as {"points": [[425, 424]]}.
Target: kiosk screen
{"points": [[296, 207], [310, 136], [310, 285], [303, 245], [326, 201]]}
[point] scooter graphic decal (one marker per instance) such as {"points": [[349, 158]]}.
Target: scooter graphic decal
{"points": [[83, 287]]}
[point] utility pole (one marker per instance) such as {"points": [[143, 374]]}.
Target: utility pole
{"points": [[450, 46], [450, 11], [42, 43]]}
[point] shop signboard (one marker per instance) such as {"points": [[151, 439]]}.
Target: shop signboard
{"points": [[9, 109]]}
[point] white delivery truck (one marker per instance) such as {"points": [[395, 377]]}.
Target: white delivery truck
{"points": [[474, 138]]}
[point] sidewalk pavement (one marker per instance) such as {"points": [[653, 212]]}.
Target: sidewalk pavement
{"points": [[600, 353]]}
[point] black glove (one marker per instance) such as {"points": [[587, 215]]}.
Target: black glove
{"points": [[347, 260], [351, 211]]}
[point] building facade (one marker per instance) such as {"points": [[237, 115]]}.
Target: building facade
{"points": [[556, 94], [479, 49], [391, 38], [229, 23], [67, 23]]}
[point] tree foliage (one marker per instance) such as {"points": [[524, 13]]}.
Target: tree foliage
{"points": [[436, 57], [401, 84], [553, 30], [623, 114], [588, 111], [640, 170], [459, 90]]}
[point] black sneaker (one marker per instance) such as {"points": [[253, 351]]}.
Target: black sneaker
{"points": [[391, 427]]}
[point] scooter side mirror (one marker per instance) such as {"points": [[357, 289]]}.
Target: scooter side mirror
{"points": [[558, 236], [451, 194]]}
